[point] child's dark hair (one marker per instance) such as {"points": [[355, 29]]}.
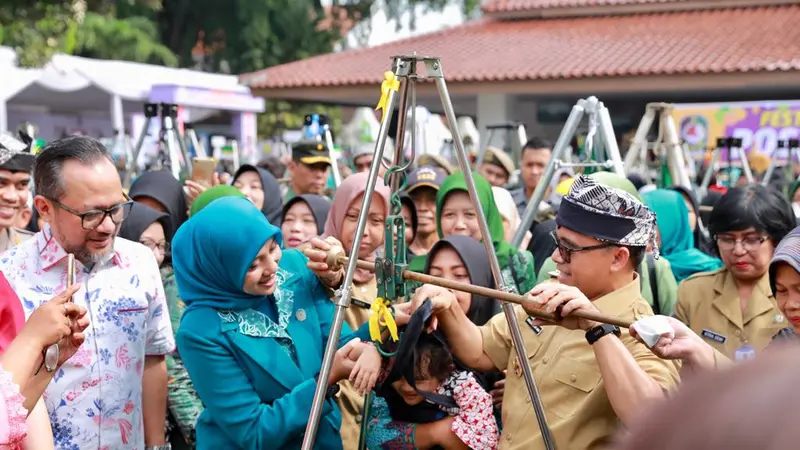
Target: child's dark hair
{"points": [[432, 359]]}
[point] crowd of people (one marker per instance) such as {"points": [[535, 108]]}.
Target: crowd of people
{"points": [[199, 313]]}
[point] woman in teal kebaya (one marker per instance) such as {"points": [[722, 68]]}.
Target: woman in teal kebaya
{"points": [[254, 331]]}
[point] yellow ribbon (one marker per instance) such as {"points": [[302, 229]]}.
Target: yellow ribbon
{"points": [[380, 315], [390, 83]]}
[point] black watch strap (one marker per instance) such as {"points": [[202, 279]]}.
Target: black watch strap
{"points": [[332, 390], [595, 333]]}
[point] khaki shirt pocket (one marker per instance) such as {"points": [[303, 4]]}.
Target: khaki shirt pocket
{"points": [[568, 385]]}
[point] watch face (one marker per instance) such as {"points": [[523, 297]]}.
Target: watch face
{"points": [[51, 358]]}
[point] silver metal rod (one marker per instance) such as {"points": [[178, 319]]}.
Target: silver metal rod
{"points": [[337, 177], [560, 149], [609, 139], [434, 68], [343, 294]]}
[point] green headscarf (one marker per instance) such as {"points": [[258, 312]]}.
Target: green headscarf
{"points": [[615, 181], [457, 182], [677, 240], [211, 194]]}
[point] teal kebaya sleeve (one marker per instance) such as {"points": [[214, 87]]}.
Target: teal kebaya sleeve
{"points": [[233, 402]]}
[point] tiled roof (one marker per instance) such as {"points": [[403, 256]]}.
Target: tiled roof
{"points": [[715, 41], [497, 6]]}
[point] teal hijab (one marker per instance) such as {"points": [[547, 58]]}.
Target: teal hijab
{"points": [[677, 241], [211, 261]]}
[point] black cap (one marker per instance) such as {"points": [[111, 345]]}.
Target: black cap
{"points": [[311, 152], [15, 155], [425, 177]]}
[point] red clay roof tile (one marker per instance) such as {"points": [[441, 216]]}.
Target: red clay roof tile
{"points": [[497, 6], [721, 41]]}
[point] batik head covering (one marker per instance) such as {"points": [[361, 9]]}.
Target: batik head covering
{"points": [[211, 262], [607, 214], [787, 252]]}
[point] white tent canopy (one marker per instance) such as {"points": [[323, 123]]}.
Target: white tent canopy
{"points": [[73, 84]]}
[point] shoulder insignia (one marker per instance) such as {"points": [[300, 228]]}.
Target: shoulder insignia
{"points": [[704, 274]]}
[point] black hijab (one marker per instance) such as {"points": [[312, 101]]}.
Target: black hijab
{"points": [[711, 199], [162, 187], [319, 205], [141, 217], [473, 255], [273, 200]]}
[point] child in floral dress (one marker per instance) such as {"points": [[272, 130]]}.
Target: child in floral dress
{"points": [[430, 390]]}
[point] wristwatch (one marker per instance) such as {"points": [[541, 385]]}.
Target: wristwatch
{"points": [[332, 390], [159, 447], [595, 333]]}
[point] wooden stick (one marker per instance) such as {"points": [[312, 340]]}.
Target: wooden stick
{"points": [[337, 259]]}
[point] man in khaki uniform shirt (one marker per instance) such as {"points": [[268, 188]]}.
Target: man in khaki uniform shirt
{"points": [[15, 176], [709, 304], [591, 377]]}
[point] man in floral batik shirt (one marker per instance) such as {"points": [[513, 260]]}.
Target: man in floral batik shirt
{"points": [[96, 400]]}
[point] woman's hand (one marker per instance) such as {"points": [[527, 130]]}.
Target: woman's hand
{"points": [[498, 391], [344, 360], [683, 344], [55, 320], [194, 189], [317, 261], [441, 300], [366, 370]]}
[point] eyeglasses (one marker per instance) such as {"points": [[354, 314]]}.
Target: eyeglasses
{"points": [[94, 217], [162, 246], [749, 243], [566, 251]]}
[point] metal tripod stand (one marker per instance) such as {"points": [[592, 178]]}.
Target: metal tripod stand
{"points": [[515, 137], [600, 130], [404, 70], [168, 136], [667, 144]]}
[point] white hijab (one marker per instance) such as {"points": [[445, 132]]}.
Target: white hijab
{"points": [[508, 209]]}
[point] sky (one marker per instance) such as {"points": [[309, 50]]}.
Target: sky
{"points": [[383, 31]]}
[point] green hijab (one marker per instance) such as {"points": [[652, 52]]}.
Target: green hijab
{"points": [[211, 194], [457, 182], [615, 181], [677, 239]]}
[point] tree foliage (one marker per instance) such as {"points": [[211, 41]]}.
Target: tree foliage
{"points": [[230, 36]]}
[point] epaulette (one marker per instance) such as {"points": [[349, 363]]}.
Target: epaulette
{"points": [[704, 274]]}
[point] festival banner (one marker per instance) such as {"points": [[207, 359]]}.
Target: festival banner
{"points": [[760, 125]]}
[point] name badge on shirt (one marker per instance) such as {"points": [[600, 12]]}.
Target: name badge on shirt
{"points": [[716, 337], [744, 353], [536, 329]]}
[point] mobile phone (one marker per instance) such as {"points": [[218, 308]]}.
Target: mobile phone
{"points": [[203, 171], [70, 271]]}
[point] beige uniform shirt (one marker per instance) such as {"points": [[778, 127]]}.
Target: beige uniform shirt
{"points": [[350, 401], [709, 304], [565, 370], [11, 237]]}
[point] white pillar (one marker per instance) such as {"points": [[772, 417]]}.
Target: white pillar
{"points": [[494, 109]]}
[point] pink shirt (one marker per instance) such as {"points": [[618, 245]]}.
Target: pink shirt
{"points": [[12, 414]]}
